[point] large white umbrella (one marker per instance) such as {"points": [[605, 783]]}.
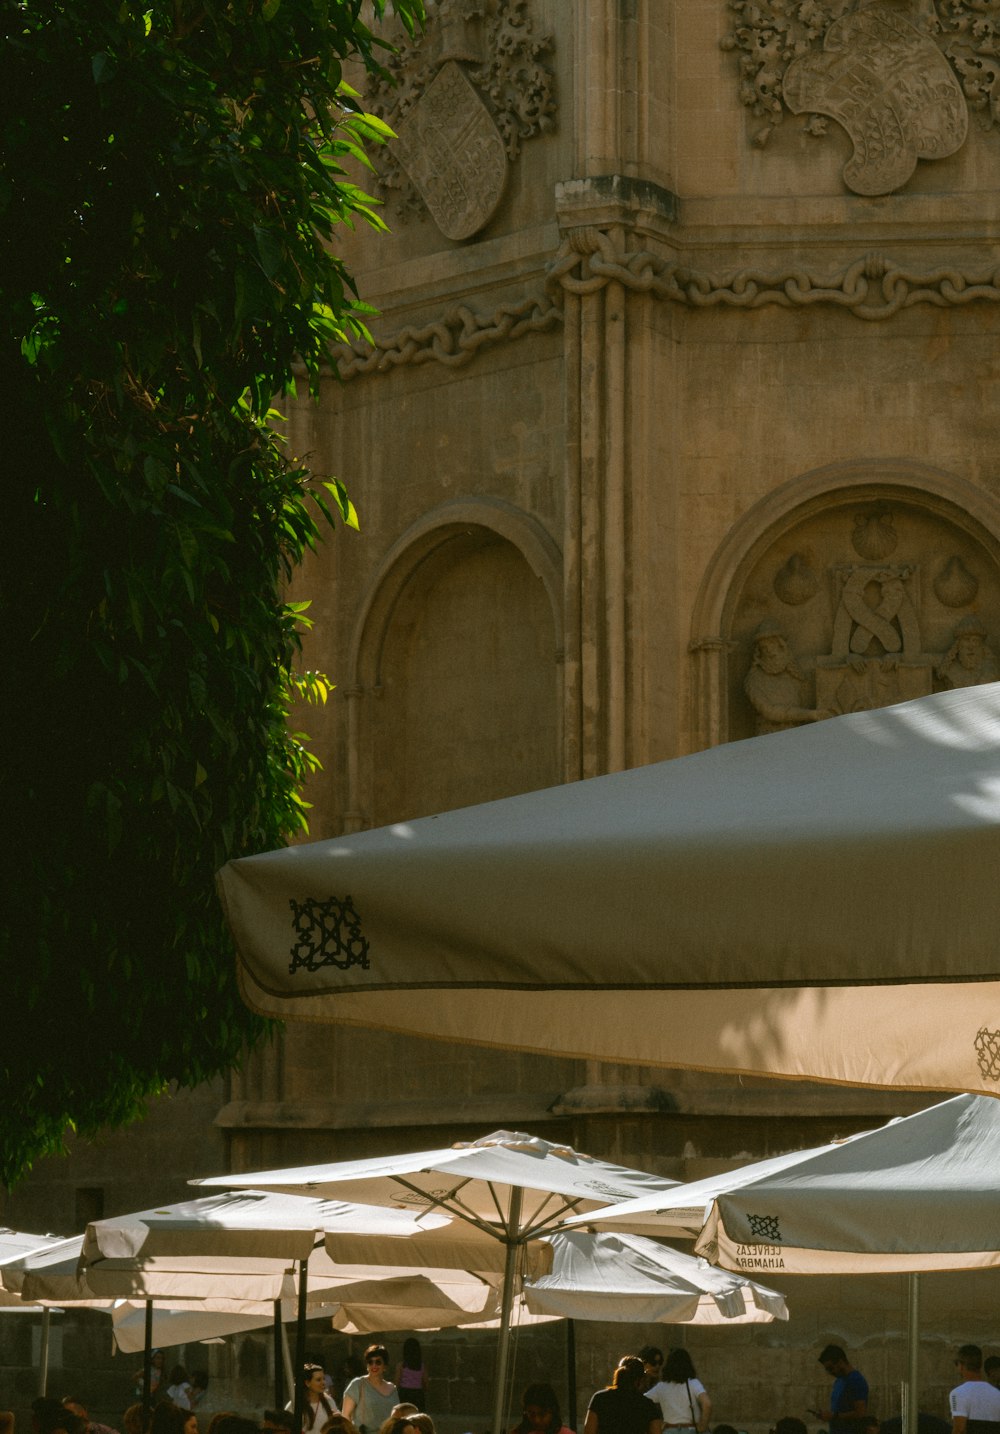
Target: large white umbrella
{"points": [[919, 1194], [819, 903], [508, 1190], [629, 1279], [15, 1245]]}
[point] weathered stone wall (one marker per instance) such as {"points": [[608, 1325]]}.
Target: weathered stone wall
{"points": [[675, 378]]}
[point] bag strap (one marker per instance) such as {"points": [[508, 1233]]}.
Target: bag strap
{"points": [[694, 1417]]}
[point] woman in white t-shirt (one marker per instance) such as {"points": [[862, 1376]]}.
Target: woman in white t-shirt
{"points": [[317, 1407], [681, 1395]]}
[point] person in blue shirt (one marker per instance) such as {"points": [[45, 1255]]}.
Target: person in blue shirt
{"points": [[849, 1396]]}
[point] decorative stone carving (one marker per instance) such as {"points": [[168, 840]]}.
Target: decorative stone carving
{"points": [[899, 75], [969, 661], [462, 97], [875, 657], [954, 585], [453, 152], [873, 536], [796, 582], [891, 89], [877, 630], [775, 684]]}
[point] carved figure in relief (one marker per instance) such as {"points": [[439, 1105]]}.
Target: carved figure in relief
{"points": [[775, 684], [970, 660]]}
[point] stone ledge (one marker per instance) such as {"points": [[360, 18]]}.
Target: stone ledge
{"points": [[506, 1109]]}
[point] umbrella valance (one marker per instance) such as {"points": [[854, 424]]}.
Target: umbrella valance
{"points": [[819, 902], [917, 1194]]}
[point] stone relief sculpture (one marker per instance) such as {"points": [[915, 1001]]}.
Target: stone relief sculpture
{"points": [[870, 632], [900, 76], [969, 661], [776, 684], [462, 97]]}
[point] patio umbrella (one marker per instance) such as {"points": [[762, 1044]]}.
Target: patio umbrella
{"points": [[630, 1279], [818, 903], [507, 1189], [14, 1246], [918, 1194]]}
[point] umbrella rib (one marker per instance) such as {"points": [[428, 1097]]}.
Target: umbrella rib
{"points": [[452, 1204]]}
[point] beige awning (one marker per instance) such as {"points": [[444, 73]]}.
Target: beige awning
{"points": [[820, 903]]}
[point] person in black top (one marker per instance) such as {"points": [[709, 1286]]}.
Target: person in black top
{"points": [[622, 1408]]}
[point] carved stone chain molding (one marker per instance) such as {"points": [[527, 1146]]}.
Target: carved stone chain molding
{"points": [[871, 287]]}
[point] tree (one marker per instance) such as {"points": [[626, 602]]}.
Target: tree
{"points": [[172, 176]]}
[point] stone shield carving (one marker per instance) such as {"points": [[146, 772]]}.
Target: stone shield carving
{"points": [[463, 95], [453, 153], [901, 76], [891, 89]]}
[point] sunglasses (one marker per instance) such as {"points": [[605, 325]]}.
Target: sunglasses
{"points": [[375, 1359]]}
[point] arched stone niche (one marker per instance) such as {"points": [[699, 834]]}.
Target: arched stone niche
{"points": [[853, 587], [456, 654]]}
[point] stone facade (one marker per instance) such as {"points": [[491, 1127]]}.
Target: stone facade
{"points": [[678, 425]]}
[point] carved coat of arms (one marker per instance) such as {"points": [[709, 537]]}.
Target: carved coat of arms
{"points": [[900, 76], [452, 150], [462, 97]]}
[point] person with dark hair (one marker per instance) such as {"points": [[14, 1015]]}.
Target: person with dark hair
{"points": [[849, 1396], [317, 1407], [419, 1423], [652, 1359], [975, 1403], [75, 1405], [179, 1387], [789, 1425], [369, 1399], [680, 1395], [540, 1412], [411, 1376], [133, 1420], [48, 1416], [156, 1362], [622, 1408], [338, 1424], [991, 1368], [168, 1418], [277, 1419], [235, 1424]]}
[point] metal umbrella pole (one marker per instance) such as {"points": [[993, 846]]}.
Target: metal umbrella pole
{"points": [[43, 1353], [147, 1366], [278, 1352], [300, 1344], [571, 1374], [912, 1351], [506, 1308]]}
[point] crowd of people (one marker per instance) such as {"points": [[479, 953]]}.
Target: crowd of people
{"points": [[648, 1394]]}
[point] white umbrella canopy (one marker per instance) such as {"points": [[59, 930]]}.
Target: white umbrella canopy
{"points": [[199, 1320], [630, 1279], [920, 1193], [508, 1188], [473, 1182], [817, 903], [254, 1223], [15, 1245]]}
